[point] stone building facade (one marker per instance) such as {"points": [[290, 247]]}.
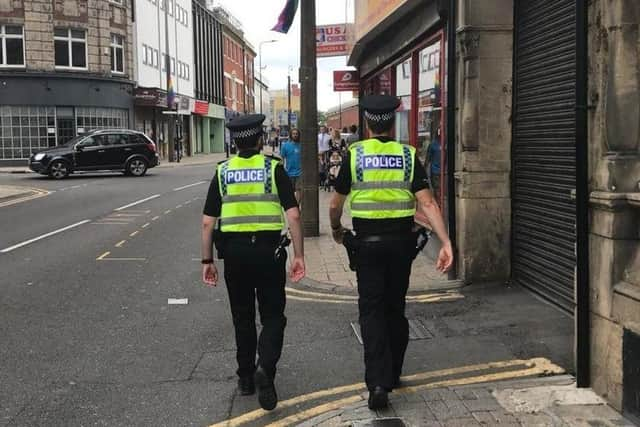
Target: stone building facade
{"points": [[75, 73]]}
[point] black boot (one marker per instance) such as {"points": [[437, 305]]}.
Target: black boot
{"points": [[378, 398], [246, 386], [266, 390]]}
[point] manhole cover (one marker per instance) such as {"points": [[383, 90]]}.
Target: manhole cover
{"points": [[380, 422], [417, 330]]}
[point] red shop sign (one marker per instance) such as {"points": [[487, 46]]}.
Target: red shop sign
{"points": [[346, 81]]}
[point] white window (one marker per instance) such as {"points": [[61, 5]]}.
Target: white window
{"points": [[117, 53], [120, 2], [173, 66], [11, 46], [70, 48], [171, 6], [155, 58], [187, 72]]}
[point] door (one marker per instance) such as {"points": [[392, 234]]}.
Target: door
{"points": [[89, 154], [544, 149], [65, 130]]}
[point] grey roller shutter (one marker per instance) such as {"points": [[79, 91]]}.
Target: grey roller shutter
{"points": [[544, 149]]}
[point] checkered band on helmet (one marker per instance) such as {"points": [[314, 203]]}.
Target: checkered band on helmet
{"points": [[379, 117], [246, 133]]}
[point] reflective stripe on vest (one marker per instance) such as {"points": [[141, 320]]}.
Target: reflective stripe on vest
{"points": [[381, 180], [249, 194], [375, 185]]}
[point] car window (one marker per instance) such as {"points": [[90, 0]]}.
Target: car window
{"points": [[136, 139], [92, 141], [117, 139]]}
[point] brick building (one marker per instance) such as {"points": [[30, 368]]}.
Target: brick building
{"points": [[343, 115], [66, 69], [238, 64]]}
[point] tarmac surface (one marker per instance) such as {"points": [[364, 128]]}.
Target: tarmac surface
{"points": [[104, 321]]}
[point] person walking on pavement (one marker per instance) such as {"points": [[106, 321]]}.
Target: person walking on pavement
{"points": [[384, 181], [247, 195], [290, 151]]}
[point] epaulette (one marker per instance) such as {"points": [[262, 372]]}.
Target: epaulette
{"points": [[274, 157]]}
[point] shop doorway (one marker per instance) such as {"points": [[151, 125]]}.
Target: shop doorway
{"points": [[65, 124]]}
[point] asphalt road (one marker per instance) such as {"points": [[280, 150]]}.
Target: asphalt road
{"points": [[88, 337]]}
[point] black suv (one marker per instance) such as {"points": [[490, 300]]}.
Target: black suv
{"points": [[108, 149]]}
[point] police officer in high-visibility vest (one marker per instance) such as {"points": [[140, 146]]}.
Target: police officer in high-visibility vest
{"points": [[384, 182], [247, 195]]}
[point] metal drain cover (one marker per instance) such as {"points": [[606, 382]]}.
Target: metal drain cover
{"points": [[380, 422], [417, 331]]}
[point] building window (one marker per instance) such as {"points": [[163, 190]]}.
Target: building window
{"points": [[117, 53], [25, 129], [11, 46], [91, 118], [155, 58], [70, 48]]}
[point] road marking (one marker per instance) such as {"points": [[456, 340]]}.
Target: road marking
{"points": [[110, 223], [104, 258], [154, 218], [38, 193], [76, 186], [324, 408], [178, 207], [167, 211], [101, 257], [534, 367], [44, 236], [145, 225], [178, 301], [120, 243], [190, 185], [121, 208], [134, 233], [342, 299], [126, 215], [187, 202]]}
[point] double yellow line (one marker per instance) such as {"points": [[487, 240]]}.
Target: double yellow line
{"points": [[480, 373], [308, 296]]}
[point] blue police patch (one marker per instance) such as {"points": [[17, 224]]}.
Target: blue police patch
{"points": [[244, 176], [382, 162]]}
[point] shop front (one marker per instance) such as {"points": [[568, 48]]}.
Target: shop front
{"points": [[208, 127], [399, 51], [151, 118]]}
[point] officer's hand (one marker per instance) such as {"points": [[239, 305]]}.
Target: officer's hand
{"points": [[210, 274], [338, 235], [297, 270], [445, 258]]}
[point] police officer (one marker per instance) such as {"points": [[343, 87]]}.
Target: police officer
{"points": [[384, 181], [247, 195]]}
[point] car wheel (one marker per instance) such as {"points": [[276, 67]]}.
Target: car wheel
{"points": [[137, 167], [58, 169]]}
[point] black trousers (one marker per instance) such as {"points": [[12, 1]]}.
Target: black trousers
{"points": [[250, 271], [383, 270]]}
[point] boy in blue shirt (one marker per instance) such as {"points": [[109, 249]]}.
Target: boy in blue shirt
{"points": [[290, 153]]}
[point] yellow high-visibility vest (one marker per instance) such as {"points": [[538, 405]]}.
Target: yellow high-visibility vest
{"points": [[249, 193], [381, 176]]}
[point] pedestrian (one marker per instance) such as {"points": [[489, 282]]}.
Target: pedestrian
{"points": [[323, 148], [353, 136], [246, 198], [386, 183], [291, 153], [337, 142], [433, 160]]}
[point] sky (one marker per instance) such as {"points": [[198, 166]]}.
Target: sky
{"points": [[258, 17]]}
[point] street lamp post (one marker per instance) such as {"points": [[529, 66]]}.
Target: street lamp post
{"points": [[260, 66]]}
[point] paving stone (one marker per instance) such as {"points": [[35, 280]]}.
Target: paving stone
{"points": [[535, 420], [482, 405], [461, 422], [504, 417], [386, 412], [483, 417], [358, 414], [469, 393], [439, 394], [445, 410]]}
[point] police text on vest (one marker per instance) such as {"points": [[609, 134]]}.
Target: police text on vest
{"points": [[242, 176], [383, 162]]}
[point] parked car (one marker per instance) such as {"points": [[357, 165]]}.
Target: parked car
{"points": [[108, 149]]}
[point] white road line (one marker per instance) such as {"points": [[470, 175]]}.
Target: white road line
{"points": [[145, 225], [190, 185], [121, 208], [44, 236]]}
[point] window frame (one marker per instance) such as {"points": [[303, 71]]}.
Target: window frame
{"points": [[114, 47], [3, 40], [69, 39]]}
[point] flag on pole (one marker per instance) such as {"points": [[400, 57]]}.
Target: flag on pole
{"points": [[171, 93], [286, 17]]}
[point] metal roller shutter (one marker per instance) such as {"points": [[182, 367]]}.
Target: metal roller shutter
{"points": [[544, 150]]}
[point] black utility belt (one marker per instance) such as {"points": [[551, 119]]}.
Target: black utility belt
{"points": [[401, 237], [266, 239]]}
